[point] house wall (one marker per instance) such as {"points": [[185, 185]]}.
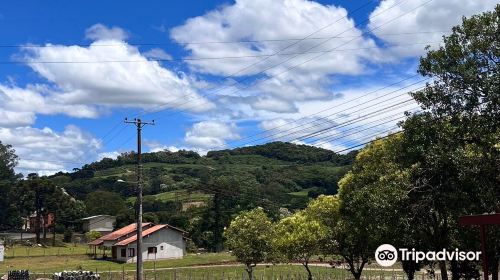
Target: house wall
{"points": [[174, 245], [99, 223], [119, 253]]}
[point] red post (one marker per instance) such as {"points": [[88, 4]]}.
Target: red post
{"points": [[483, 251]]}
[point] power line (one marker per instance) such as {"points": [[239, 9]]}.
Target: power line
{"points": [[146, 60], [330, 138], [368, 142], [335, 113], [55, 45], [360, 118], [329, 108]]}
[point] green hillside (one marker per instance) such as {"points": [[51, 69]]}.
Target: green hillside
{"points": [[202, 193]]}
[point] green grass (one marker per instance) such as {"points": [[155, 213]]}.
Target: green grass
{"points": [[64, 250], [302, 193], [177, 195], [72, 262]]}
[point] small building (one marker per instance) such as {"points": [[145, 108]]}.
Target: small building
{"points": [[101, 223], [159, 242], [46, 222]]}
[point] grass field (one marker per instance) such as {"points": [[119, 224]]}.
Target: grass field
{"points": [[177, 195], [25, 251], [72, 262]]}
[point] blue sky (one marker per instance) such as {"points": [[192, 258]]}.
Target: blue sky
{"points": [[102, 61]]}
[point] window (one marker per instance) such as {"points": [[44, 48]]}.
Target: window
{"points": [[123, 253], [131, 252], [151, 250], [161, 248]]}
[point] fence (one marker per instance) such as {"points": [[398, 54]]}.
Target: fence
{"points": [[279, 272], [23, 251]]}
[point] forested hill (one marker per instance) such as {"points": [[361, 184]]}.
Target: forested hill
{"points": [[202, 193]]}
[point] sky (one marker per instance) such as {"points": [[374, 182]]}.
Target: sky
{"points": [[212, 74]]}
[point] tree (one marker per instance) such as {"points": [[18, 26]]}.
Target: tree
{"points": [[375, 206], [9, 214], [326, 210], [298, 238], [104, 203], [92, 235], [249, 237], [456, 143]]}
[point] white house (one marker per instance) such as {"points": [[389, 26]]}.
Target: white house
{"points": [[159, 242], [101, 223]]}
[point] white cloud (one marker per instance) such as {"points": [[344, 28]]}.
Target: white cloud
{"points": [[47, 151], [263, 20], [433, 16], [119, 83], [19, 106], [289, 78], [101, 32], [210, 135]]}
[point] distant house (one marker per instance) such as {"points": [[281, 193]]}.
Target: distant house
{"points": [[159, 242], [45, 223], [101, 223]]}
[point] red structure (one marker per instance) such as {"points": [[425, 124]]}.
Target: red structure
{"points": [[46, 221], [482, 221]]}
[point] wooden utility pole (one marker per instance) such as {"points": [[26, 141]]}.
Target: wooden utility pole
{"points": [[139, 124]]}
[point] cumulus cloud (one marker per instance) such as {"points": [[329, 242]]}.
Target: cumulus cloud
{"points": [[210, 135], [290, 77], [433, 16], [264, 20], [117, 75], [19, 106], [47, 151]]}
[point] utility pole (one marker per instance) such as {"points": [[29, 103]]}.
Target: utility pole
{"points": [[139, 124]]}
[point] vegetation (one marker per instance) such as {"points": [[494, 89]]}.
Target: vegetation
{"points": [[249, 237], [298, 238], [198, 194]]}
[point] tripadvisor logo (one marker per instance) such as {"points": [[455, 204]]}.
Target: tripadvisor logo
{"points": [[387, 255]]}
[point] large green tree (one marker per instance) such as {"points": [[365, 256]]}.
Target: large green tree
{"points": [[374, 195], [456, 143], [249, 237]]}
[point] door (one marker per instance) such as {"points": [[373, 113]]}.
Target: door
{"points": [[113, 252]]}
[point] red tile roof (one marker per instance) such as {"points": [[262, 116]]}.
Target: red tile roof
{"points": [[144, 233], [122, 232]]}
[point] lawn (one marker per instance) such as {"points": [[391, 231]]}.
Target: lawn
{"points": [[25, 251], [72, 262]]}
